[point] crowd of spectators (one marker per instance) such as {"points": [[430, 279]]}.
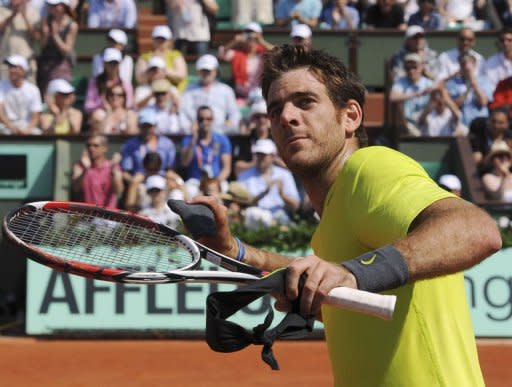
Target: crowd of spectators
{"points": [[150, 97]]}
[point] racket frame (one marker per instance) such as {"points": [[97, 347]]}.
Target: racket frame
{"points": [[239, 272]]}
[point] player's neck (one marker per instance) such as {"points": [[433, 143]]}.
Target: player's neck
{"points": [[318, 185]]}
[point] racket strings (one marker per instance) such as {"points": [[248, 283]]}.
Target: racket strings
{"points": [[100, 239]]}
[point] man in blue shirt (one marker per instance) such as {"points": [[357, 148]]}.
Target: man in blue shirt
{"points": [[206, 153], [291, 12], [134, 149], [112, 14], [412, 92], [470, 90]]}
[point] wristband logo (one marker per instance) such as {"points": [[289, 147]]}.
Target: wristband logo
{"points": [[369, 261]]}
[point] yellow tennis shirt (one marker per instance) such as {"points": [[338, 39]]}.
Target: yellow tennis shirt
{"points": [[430, 341]]}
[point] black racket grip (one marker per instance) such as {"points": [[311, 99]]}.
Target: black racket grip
{"points": [[198, 218]]}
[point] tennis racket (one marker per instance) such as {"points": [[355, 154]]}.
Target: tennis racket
{"points": [[118, 246]]}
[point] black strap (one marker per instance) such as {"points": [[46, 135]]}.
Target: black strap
{"points": [[226, 336]]}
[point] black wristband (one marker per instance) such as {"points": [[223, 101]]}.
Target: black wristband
{"points": [[379, 270]]}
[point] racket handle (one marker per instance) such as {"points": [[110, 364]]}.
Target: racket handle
{"points": [[363, 302]]}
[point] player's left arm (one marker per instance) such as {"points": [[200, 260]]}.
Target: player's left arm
{"points": [[448, 236]]}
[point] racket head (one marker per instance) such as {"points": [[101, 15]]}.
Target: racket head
{"points": [[100, 243]]}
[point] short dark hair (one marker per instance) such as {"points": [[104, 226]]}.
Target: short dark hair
{"points": [[342, 84], [203, 107], [152, 160]]}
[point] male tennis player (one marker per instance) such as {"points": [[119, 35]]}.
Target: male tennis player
{"points": [[385, 227]]}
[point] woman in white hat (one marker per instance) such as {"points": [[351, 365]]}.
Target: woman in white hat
{"points": [[58, 36], [497, 181], [116, 38], [163, 46], [96, 97], [62, 118]]}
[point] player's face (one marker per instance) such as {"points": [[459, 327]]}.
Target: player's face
{"points": [[306, 127]]}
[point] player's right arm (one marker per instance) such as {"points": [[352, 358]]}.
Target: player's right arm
{"points": [[225, 243]]}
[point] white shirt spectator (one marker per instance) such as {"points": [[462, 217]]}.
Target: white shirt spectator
{"points": [[20, 103], [498, 68], [189, 22], [112, 13], [166, 121], [162, 215], [256, 184], [219, 97], [441, 124]]}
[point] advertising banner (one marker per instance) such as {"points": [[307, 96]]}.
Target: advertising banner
{"points": [[57, 302]]}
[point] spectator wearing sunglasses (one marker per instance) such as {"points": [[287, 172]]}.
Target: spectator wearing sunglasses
{"points": [[96, 179], [119, 119], [497, 181], [449, 63], [205, 152]]}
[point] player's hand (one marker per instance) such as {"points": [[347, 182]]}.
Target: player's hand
{"points": [[222, 241], [321, 277]]}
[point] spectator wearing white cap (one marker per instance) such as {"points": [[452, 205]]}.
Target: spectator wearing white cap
{"points": [[58, 37], [20, 100], [245, 11], [18, 33], [175, 69], [451, 182], [411, 93], [112, 14], [427, 16], [190, 23], [272, 187], [96, 97], [291, 12], [257, 128], [208, 91], [415, 42], [157, 210], [143, 93], [244, 52], [118, 39], [301, 34], [337, 14], [61, 118]]}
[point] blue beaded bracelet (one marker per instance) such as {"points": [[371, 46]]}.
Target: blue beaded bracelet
{"points": [[241, 250]]}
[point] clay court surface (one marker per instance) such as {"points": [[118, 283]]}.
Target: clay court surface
{"points": [[33, 362]]}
